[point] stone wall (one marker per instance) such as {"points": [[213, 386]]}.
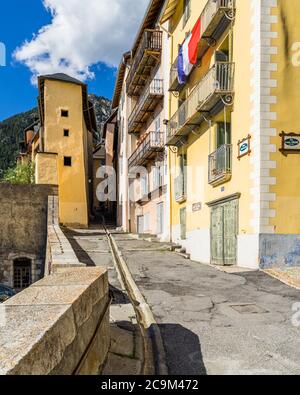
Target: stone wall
{"points": [[279, 251], [23, 227], [58, 326]]}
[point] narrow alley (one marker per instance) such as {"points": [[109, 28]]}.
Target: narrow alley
{"points": [[211, 322]]}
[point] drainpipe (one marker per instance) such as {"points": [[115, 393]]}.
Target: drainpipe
{"points": [[170, 152]]}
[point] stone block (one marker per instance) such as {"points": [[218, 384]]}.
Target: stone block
{"points": [[50, 325]]}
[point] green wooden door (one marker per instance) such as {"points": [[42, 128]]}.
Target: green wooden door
{"points": [[224, 229], [230, 210], [217, 250]]}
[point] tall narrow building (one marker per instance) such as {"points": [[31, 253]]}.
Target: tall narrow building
{"points": [[141, 95], [61, 145]]}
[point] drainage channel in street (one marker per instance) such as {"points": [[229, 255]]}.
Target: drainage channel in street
{"points": [[154, 358]]}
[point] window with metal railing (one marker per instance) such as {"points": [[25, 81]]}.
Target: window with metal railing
{"points": [[220, 164], [186, 11], [158, 177], [181, 180]]}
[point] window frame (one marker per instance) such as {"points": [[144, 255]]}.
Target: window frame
{"points": [[186, 12], [64, 113]]}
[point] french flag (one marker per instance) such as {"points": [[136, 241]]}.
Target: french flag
{"points": [[188, 53]]}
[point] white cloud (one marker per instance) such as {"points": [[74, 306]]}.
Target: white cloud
{"points": [[82, 33]]}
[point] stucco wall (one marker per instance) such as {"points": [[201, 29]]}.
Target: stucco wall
{"points": [[23, 230]]}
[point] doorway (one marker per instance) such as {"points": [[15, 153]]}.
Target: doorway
{"points": [[224, 231], [140, 224]]}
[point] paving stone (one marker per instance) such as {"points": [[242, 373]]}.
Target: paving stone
{"points": [[122, 342], [118, 366], [124, 312]]}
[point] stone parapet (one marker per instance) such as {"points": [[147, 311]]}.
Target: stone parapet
{"points": [[58, 326]]}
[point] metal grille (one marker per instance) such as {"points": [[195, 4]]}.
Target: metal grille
{"points": [[180, 188], [22, 274]]}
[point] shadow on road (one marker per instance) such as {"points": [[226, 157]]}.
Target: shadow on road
{"points": [[81, 254], [117, 296], [183, 350]]}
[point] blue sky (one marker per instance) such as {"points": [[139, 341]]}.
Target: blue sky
{"points": [[19, 20]]}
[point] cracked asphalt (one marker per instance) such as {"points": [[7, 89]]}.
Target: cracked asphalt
{"points": [[214, 322]]}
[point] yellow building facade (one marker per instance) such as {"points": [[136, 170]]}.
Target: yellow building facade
{"points": [[62, 145], [233, 174]]}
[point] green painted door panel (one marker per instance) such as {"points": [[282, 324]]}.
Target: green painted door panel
{"points": [[217, 250], [224, 229], [230, 232], [183, 223]]}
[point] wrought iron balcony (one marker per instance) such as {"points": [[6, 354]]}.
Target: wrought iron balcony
{"points": [[147, 150], [215, 18], [147, 56], [180, 188], [145, 106], [214, 91], [219, 165]]}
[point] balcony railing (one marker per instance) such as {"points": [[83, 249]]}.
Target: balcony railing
{"points": [[219, 165], [174, 83], [146, 58], [215, 18], [146, 105], [215, 86], [180, 188], [213, 13], [153, 143]]}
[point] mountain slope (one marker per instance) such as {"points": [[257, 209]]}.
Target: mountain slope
{"points": [[11, 130]]}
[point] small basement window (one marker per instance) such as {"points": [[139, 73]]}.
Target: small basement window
{"points": [[64, 113], [22, 274], [67, 161], [66, 133]]}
